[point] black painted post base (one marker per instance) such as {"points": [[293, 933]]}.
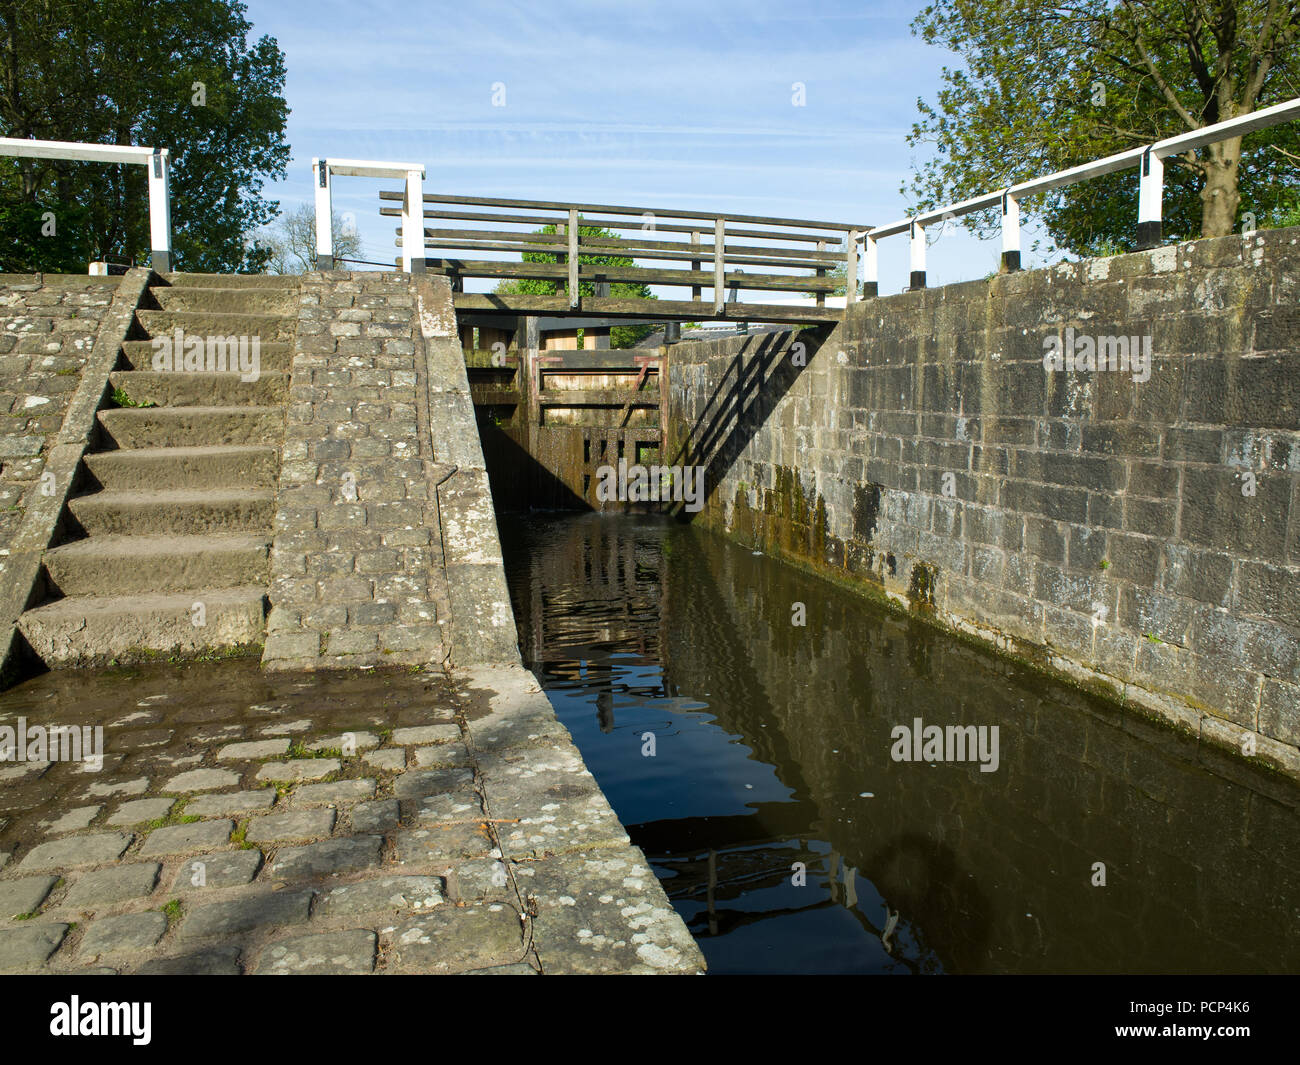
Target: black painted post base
{"points": [[918, 279], [1148, 235], [870, 290], [1010, 262], [419, 266], [324, 262], [161, 261]]}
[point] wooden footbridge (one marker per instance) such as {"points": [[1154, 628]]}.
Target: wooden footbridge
{"points": [[570, 254]]}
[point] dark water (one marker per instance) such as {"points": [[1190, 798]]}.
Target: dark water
{"points": [[772, 747]]}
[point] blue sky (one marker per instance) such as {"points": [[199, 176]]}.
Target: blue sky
{"points": [[665, 104]]}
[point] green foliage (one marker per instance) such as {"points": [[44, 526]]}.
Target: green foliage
{"points": [[42, 235], [121, 399], [1286, 214], [184, 75], [620, 336], [1043, 85]]}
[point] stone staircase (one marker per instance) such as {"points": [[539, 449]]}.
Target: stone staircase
{"points": [[165, 543]]}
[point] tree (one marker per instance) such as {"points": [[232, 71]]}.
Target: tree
{"points": [[1049, 85], [620, 336], [182, 75], [291, 241]]}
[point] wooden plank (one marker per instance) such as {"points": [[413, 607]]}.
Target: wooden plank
{"points": [[643, 248], [603, 223], [485, 302], [630, 246], [597, 397], [664, 256], [681, 278], [599, 208], [685, 310], [690, 311], [557, 239]]}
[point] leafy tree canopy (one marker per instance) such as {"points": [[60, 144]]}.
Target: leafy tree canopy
{"points": [[1045, 85], [182, 75]]}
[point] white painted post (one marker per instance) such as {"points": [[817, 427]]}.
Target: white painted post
{"points": [[871, 269], [320, 169], [1010, 232], [1150, 195], [918, 255], [160, 212], [413, 250]]}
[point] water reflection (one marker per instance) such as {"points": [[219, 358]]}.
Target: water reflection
{"points": [[791, 842]]}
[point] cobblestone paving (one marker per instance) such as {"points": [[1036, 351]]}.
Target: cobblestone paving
{"points": [[385, 821]]}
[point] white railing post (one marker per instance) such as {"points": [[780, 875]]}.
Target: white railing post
{"points": [[871, 269], [918, 255], [1010, 232], [413, 253], [320, 169], [1150, 195], [160, 212]]}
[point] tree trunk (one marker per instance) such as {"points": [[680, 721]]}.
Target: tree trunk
{"points": [[1219, 196]]}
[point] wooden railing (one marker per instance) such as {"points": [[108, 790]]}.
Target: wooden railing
{"points": [[683, 249]]}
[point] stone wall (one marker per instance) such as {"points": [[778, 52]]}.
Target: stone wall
{"points": [[382, 492], [48, 324], [1142, 537]]}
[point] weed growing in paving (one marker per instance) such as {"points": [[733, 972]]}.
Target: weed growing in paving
{"points": [[297, 750], [121, 399], [174, 816]]}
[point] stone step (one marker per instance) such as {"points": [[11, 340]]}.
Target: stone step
{"points": [[184, 389], [180, 511], [139, 427], [271, 281], [142, 565], [207, 323], [226, 300], [273, 356], [96, 630], [152, 468]]}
